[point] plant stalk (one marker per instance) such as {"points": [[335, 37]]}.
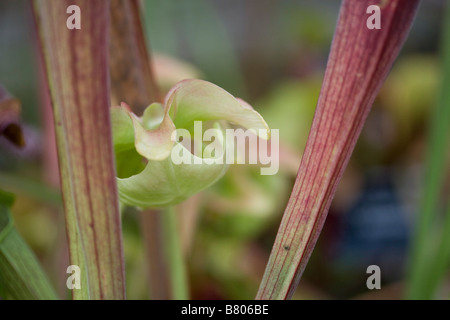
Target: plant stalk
{"points": [[429, 261], [77, 71], [359, 61]]}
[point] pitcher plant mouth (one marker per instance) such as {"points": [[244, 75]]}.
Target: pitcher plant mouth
{"points": [[173, 171]]}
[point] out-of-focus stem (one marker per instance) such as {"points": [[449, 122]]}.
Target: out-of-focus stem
{"points": [[166, 268], [188, 212], [157, 269], [132, 78], [174, 255], [427, 265]]}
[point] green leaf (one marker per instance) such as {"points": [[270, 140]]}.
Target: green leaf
{"points": [[430, 260], [21, 276]]}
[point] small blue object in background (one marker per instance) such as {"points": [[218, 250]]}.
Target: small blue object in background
{"points": [[375, 230]]}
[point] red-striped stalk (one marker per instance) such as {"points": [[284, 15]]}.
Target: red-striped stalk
{"points": [[359, 61], [78, 73]]}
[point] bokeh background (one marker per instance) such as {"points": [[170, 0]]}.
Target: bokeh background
{"points": [[273, 54]]}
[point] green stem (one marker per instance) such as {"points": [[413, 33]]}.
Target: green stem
{"points": [[174, 254], [441, 259], [424, 276]]}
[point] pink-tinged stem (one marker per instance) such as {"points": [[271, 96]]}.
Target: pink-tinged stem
{"points": [[359, 61], [78, 73]]}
